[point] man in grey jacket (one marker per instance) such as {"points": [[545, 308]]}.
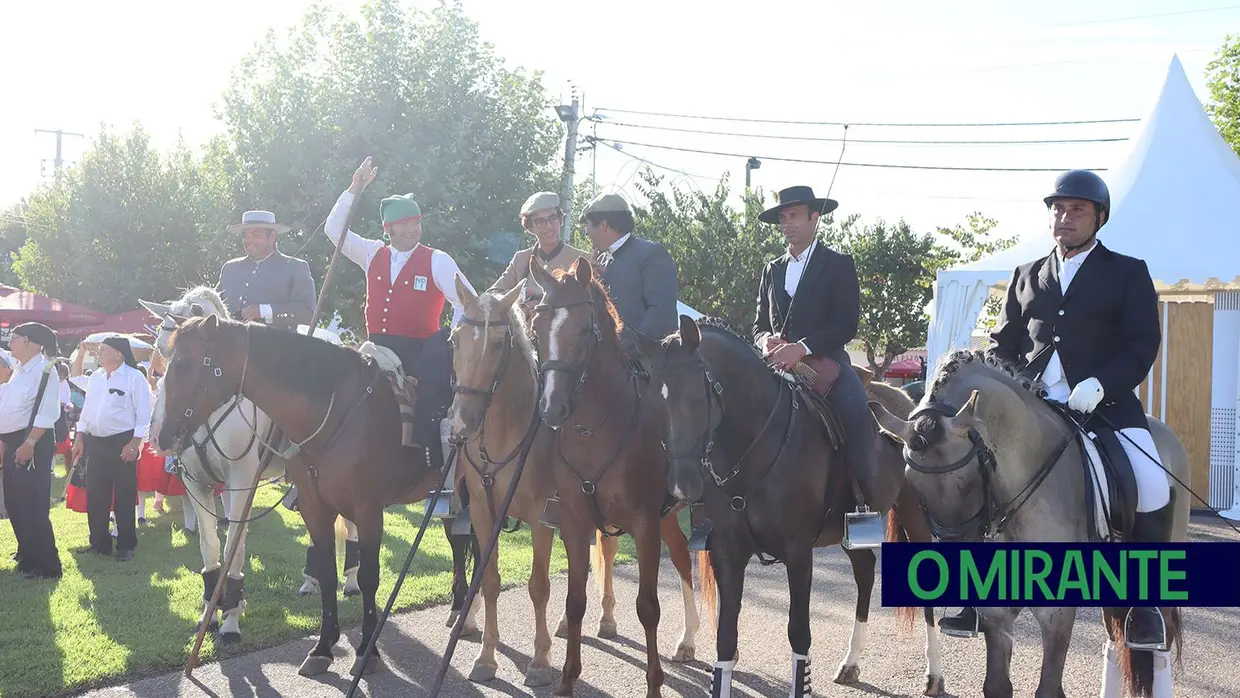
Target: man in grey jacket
{"points": [[266, 285], [638, 274]]}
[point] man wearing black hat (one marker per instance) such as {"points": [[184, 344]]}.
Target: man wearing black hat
{"points": [[809, 304], [29, 408], [1089, 319], [114, 422]]}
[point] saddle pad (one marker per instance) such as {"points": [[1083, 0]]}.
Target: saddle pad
{"points": [[405, 403], [1101, 486]]}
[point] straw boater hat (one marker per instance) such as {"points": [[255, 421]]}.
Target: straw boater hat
{"points": [[259, 219]]}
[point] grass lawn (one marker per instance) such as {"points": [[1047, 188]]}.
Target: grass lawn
{"points": [[106, 622]]}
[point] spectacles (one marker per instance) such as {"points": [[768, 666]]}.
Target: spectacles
{"points": [[546, 221]]}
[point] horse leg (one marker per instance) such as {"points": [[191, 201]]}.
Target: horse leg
{"points": [[460, 580], [997, 628], [799, 561], [728, 566], [352, 559], [232, 600], [209, 545], [863, 562], [577, 546], [485, 664], [320, 521], [539, 671], [936, 685], [649, 555], [1056, 624], [678, 548], [604, 555], [370, 523], [907, 520]]}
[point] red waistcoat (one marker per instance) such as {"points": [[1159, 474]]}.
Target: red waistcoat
{"points": [[410, 305]]}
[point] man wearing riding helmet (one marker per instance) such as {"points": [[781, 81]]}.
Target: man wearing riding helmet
{"points": [[1090, 316]]}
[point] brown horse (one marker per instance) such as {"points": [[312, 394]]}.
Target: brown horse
{"points": [[610, 466], [775, 486], [495, 412], [339, 412]]}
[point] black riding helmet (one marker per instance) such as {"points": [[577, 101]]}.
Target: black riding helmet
{"points": [[1083, 184]]}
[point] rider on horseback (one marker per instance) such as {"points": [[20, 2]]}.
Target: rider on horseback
{"points": [[1091, 349], [541, 216]]}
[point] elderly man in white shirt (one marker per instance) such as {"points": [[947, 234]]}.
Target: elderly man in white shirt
{"points": [[29, 408], [111, 429]]}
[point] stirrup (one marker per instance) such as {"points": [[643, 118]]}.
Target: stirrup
{"points": [[965, 634], [1152, 647], [551, 513], [700, 539], [864, 529], [461, 523], [443, 505]]}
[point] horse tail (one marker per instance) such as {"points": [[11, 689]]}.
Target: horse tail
{"points": [[896, 534], [1137, 668], [597, 563], [342, 534], [710, 590]]}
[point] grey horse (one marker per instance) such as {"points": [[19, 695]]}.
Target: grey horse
{"points": [[994, 412]]}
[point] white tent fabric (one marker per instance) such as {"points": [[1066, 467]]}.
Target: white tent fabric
{"points": [[1175, 202]]}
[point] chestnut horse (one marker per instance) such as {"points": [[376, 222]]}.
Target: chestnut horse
{"points": [[339, 412], [493, 415]]}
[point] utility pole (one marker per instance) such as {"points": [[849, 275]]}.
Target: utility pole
{"points": [[569, 115], [59, 161], [750, 165]]}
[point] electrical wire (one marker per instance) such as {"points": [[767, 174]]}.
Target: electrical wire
{"points": [[1150, 16], [597, 110]]}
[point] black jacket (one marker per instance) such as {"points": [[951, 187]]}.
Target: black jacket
{"points": [[828, 305], [1106, 326]]}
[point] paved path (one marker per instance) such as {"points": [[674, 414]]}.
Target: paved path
{"points": [[892, 666]]}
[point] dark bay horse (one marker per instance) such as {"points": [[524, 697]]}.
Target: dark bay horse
{"points": [[772, 482], [339, 412], [609, 468], [495, 409], [991, 460]]}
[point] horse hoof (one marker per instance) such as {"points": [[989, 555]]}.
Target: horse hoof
{"points": [[313, 665], [848, 675], [538, 676], [606, 629], [935, 686], [452, 619], [482, 673], [372, 665], [229, 637], [683, 654]]}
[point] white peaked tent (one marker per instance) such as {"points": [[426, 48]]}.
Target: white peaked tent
{"points": [[1175, 201]]}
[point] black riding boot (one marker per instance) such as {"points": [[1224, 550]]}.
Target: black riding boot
{"points": [[963, 624], [1145, 627]]}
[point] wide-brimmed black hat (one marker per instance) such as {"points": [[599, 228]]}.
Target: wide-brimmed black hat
{"points": [[793, 196]]}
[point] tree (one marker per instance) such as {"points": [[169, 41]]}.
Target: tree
{"points": [[423, 95], [1223, 78], [126, 222], [973, 241], [12, 237]]}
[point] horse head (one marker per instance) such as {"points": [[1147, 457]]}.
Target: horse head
{"points": [[482, 345], [694, 399], [573, 322], [200, 301], [207, 368]]}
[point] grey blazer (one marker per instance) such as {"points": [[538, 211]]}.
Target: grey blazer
{"points": [[643, 285], [280, 281]]}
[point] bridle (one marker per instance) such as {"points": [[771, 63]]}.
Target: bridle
{"points": [[704, 443], [488, 394], [596, 338], [993, 516]]}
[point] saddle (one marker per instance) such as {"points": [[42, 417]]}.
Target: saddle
{"points": [[403, 387], [813, 377], [1110, 481]]}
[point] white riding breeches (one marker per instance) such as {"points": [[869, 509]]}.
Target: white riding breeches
{"points": [[1153, 488]]}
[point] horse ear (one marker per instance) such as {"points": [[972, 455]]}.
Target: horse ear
{"points": [[156, 309], [865, 374], [176, 320], [690, 333], [212, 322], [462, 290], [583, 271], [966, 413], [505, 301], [890, 423]]}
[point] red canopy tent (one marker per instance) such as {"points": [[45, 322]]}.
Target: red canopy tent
{"points": [[908, 368], [129, 322], [18, 306]]}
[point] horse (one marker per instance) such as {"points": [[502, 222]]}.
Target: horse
{"points": [[1003, 464], [776, 486], [208, 461], [498, 387], [608, 420], [346, 456]]}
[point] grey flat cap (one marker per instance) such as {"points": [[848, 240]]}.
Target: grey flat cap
{"points": [[607, 203], [540, 201]]}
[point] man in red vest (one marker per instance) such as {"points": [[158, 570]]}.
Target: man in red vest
{"points": [[406, 286]]}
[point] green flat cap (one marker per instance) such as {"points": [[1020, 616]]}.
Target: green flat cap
{"points": [[398, 208], [607, 203], [540, 201]]}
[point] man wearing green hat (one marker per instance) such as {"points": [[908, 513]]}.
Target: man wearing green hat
{"points": [[541, 216]]}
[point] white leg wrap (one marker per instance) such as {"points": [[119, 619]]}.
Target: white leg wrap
{"points": [[1162, 674], [721, 681], [309, 586], [802, 684], [1112, 685], [934, 652], [187, 508], [1153, 491], [856, 644]]}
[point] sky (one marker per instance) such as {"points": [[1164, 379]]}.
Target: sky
{"points": [[77, 65]]}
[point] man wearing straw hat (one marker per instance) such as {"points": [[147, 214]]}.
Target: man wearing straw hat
{"points": [[541, 216], [266, 285]]}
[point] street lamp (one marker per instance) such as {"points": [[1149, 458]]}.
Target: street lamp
{"points": [[750, 165]]}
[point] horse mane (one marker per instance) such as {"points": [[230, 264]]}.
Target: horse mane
{"points": [[522, 331], [723, 327], [599, 295], [199, 294], [1004, 370]]}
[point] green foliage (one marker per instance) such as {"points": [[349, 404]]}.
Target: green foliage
{"points": [[1223, 78], [12, 237], [972, 241]]}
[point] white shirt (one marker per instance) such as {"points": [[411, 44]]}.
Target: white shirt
{"points": [[17, 397], [605, 257], [1057, 387], [796, 268], [363, 250], [264, 309], [106, 412], [64, 395]]}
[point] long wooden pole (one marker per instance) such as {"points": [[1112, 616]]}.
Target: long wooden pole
{"points": [[233, 540]]}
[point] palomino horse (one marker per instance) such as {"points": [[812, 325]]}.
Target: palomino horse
{"points": [[1001, 466], [208, 460], [775, 486], [498, 387], [339, 412], [609, 466]]}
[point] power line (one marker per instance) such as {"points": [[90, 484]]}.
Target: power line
{"points": [[1151, 16], [618, 149], [858, 164], [872, 141], [866, 123]]}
